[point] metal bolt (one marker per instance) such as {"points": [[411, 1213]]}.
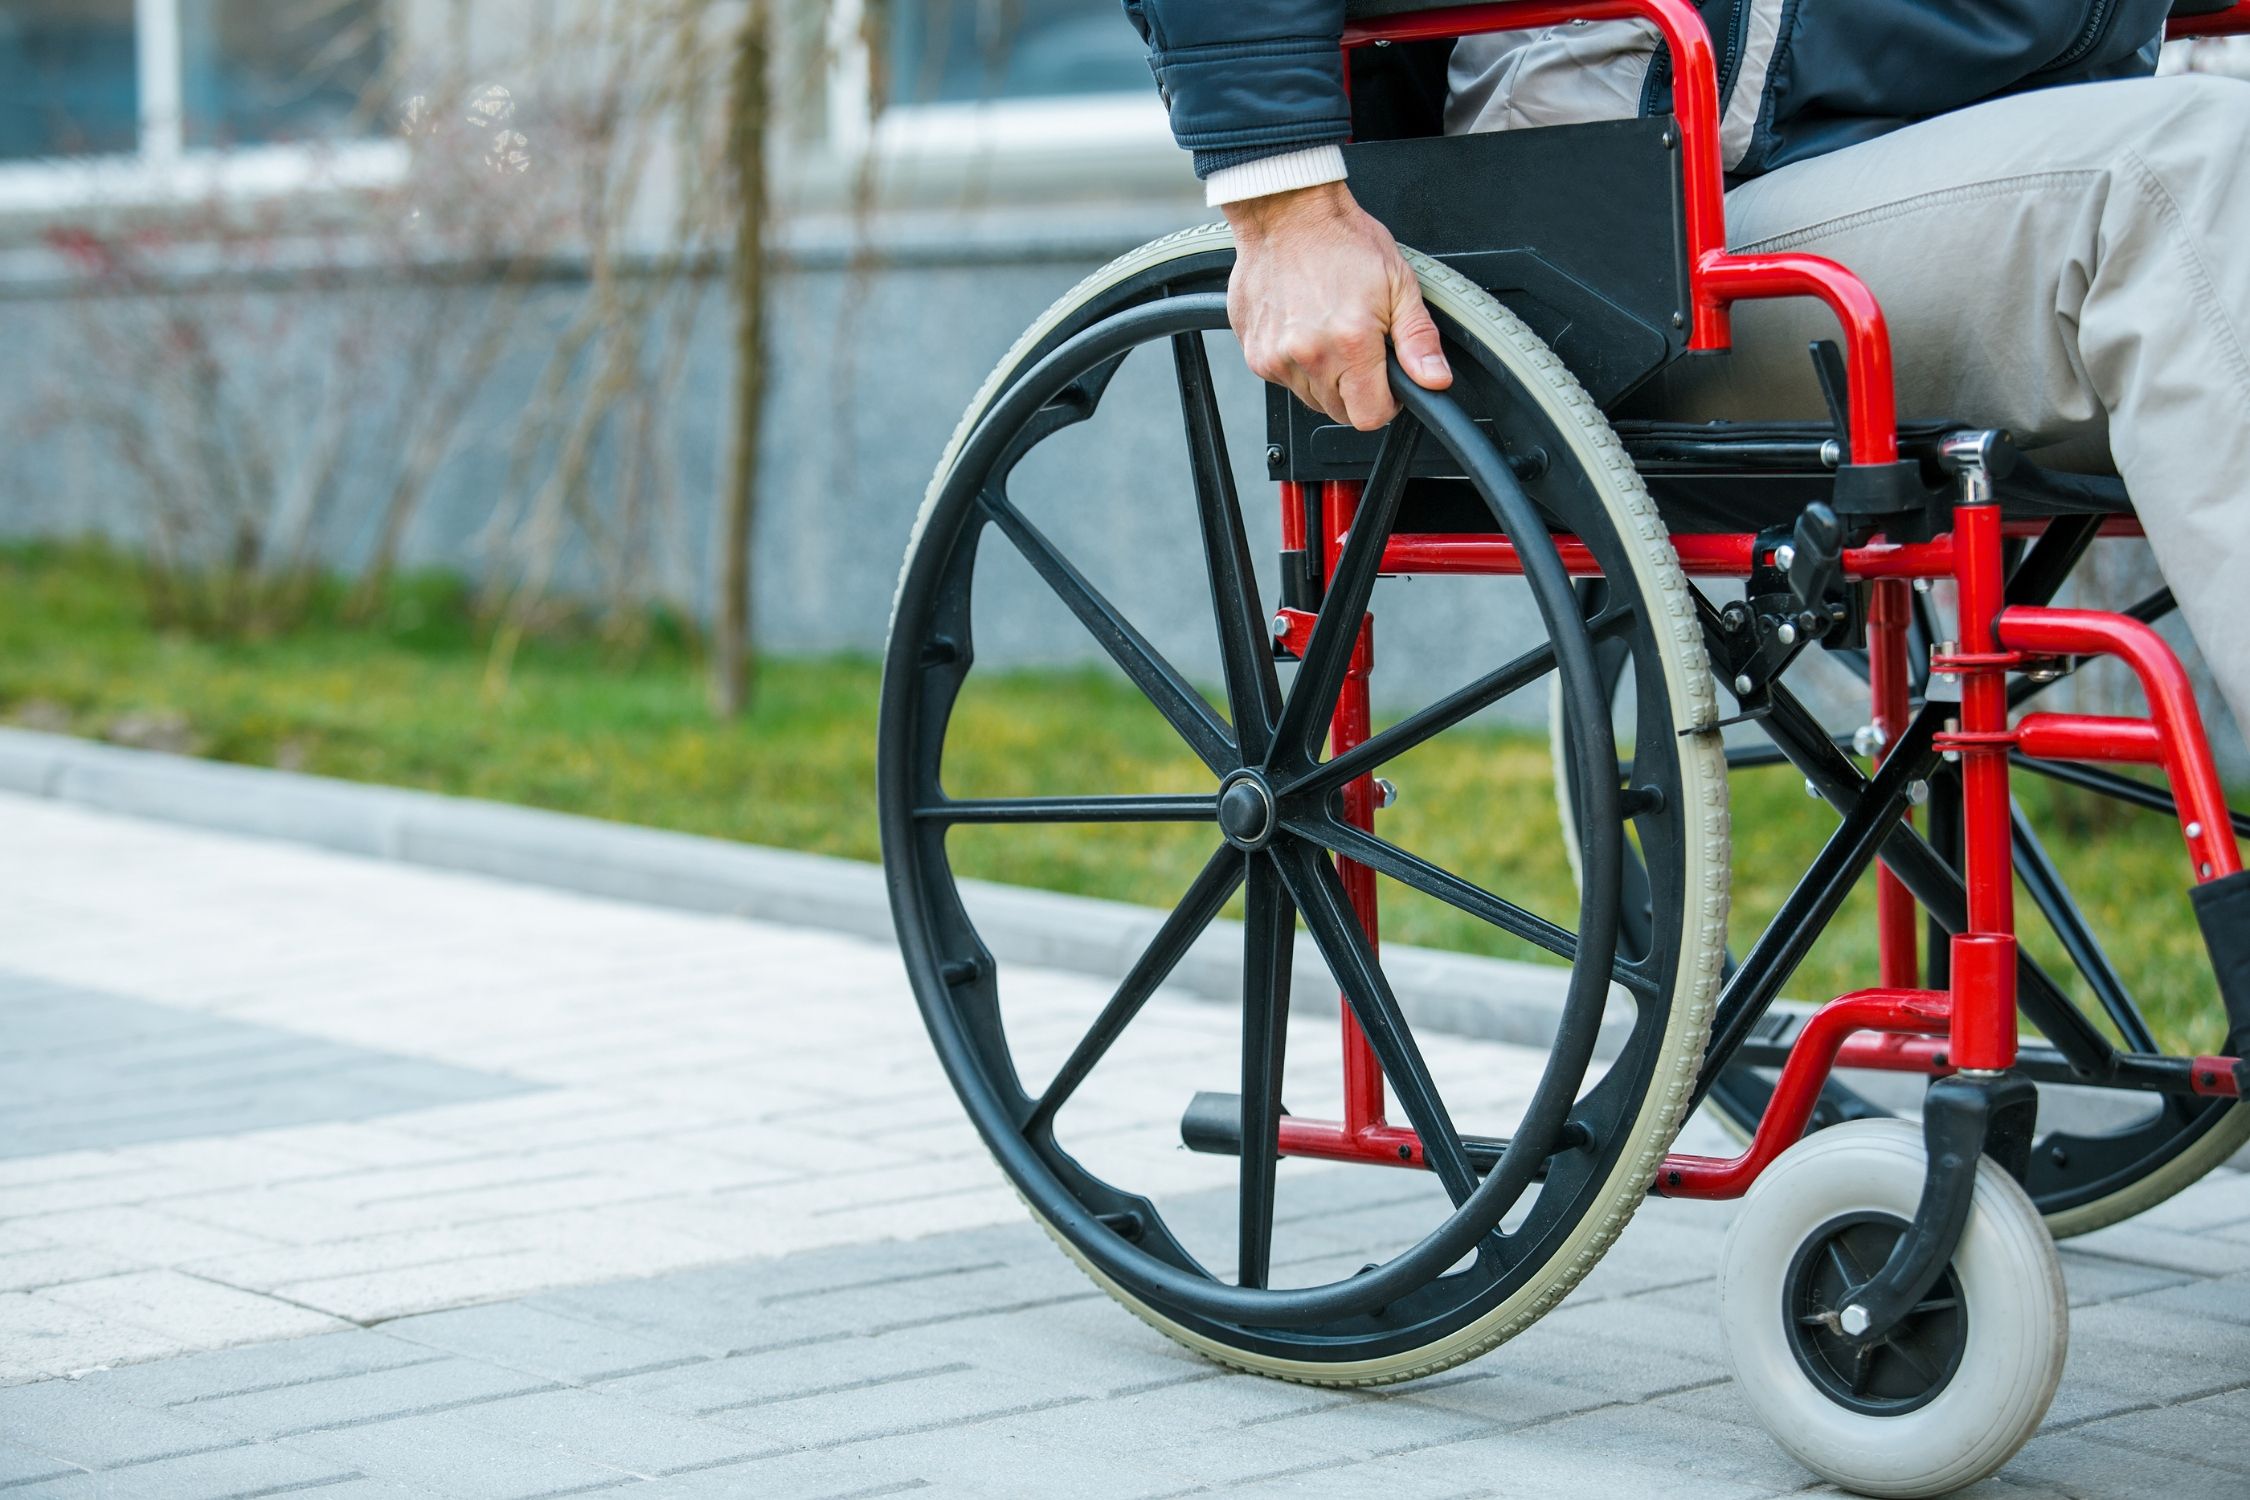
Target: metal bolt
{"points": [[1870, 740], [1831, 454], [1273, 453], [1735, 616], [1386, 791], [1811, 790], [1743, 684], [1784, 557], [1280, 627], [1787, 634], [2205, 870], [1679, 320], [1856, 1320], [2195, 830], [1917, 792]]}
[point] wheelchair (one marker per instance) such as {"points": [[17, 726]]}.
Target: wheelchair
{"points": [[1890, 1293]]}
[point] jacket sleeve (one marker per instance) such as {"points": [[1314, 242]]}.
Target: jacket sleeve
{"points": [[1851, 58], [1247, 79]]}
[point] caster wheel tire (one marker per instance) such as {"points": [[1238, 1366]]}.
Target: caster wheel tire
{"points": [[1959, 1387]]}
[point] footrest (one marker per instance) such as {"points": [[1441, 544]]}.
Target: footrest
{"points": [[1213, 1124]]}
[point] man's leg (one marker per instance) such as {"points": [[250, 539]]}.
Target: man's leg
{"points": [[2073, 265]]}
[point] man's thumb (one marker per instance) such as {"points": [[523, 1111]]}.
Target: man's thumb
{"points": [[1416, 338]]}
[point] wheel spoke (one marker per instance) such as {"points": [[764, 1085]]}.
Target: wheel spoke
{"points": [[1182, 706], [1195, 912], [1319, 893], [1863, 1365], [1269, 942], [1384, 857], [1911, 1360], [1186, 808], [1846, 1264], [1253, 689], [1320, 676], [1448, 711]]}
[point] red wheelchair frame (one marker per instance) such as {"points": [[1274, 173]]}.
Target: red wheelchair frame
{"points": [[1970, 1027]]}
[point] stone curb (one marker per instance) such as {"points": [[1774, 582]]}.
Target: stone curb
{"points": [[1493, 999]]}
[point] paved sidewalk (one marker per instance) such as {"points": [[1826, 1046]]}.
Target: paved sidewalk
{"points": [[326, 1175]]}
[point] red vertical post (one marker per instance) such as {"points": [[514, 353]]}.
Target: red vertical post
{"points": [[1351, 725], [1984, 961], [1896, 916]]}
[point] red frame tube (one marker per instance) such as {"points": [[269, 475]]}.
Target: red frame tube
{"points": [[1351, 725], [1919, 1013], [2181, 747], [1718, 554], [2233, 22], [1897, 916]]}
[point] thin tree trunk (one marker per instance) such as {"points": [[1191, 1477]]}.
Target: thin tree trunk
{"points": [[749, 109]]}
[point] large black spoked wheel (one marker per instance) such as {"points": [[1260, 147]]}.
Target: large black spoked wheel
{"points": [[1511, 1218], [2102, 1156]]}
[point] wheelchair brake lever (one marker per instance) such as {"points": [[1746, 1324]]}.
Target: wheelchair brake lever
{"points": [[1815, 565]]}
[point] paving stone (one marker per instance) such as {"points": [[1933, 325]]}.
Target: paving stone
{"points": [[40, 1337], [1530, 1464], [2213, 1431], [146, 1232], [80, 1424], [537, 1342], [190, 1310], [2226, 1298], [375, 1396], [2080, 1466], [22, 1465], [609, 1430], [2172, 1250], [440, 1454], [53, 1265], [2093, 1279], [405, 1290], [224, 1474], [197, 1378]]}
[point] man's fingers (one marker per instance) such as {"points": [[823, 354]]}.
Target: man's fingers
{"points": [[1420, 351], [1366, 391]]}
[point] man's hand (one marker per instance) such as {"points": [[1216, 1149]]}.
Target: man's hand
{"points": [[1317, 284]]}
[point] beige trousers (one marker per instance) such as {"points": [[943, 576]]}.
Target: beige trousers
{"points": [[2072, 265]]}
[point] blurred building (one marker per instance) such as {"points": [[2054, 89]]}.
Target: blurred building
{"points": [[383, 247], [263, 169]]}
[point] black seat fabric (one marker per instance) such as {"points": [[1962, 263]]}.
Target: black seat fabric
{"points": [[1756, 476], [1747, 476]]}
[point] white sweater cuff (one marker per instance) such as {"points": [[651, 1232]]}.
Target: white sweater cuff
{"points": [[1275, 174]]}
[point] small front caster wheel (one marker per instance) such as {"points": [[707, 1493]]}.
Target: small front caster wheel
{"points": [[1954, 1390]]}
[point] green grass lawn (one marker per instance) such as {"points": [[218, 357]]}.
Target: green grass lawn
{"points": [[582, 728]]}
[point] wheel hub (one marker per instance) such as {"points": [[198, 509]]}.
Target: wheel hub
{"points": [[1904, 1370], [1246, 811]]}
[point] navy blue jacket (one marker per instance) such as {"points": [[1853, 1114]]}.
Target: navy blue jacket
{"points": [[1251, 78]]}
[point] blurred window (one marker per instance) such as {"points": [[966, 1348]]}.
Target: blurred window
{"points": [[68, 80], [90, 78], [258, 72], [970, 51]]}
